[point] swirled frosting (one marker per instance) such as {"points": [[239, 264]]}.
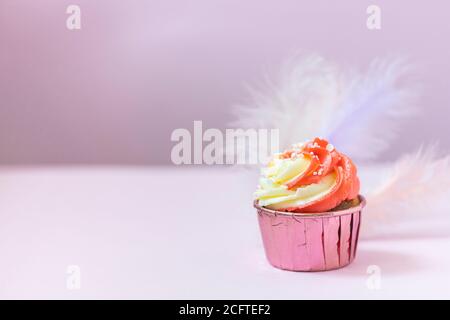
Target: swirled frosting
{"points": [[309, 177]]}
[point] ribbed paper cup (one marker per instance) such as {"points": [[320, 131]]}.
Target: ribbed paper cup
{"points": [[310, 241]]}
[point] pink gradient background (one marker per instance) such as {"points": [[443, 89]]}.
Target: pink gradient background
{"points": [[112, 92]]}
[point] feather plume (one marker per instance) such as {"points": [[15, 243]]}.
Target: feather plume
{"points": [[313, 97], [368, 116], [409, 189]]}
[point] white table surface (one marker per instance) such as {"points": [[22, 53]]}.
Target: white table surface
{"points": [[188, 233]]}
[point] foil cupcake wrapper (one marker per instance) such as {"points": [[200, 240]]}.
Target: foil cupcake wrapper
{"points": [[310, 242]]}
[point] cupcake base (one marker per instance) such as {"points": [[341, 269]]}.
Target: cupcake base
{"points": [[312, 241]]}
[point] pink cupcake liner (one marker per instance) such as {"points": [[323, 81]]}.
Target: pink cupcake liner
{"points": [[310, 241]]}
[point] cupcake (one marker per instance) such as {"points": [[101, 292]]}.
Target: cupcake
{"points": [[309, 208]]}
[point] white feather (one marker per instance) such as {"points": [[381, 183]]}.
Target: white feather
{"points": [[313, 97], [367, 118], [296, 103], [415, 186]]}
